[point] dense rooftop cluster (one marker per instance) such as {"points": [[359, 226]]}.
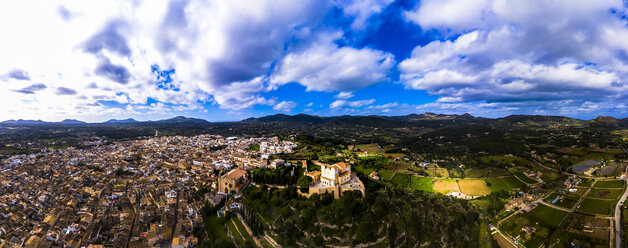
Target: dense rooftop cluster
{"points": [[133, 193]]}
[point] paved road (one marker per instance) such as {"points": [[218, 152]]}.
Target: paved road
{"points": [[505, 238], [618, 218], [552, 169]]}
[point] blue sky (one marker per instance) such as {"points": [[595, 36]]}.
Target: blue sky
{"points": [[230, 60]]}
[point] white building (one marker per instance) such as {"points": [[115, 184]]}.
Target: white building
{"points": [[336, 174]]}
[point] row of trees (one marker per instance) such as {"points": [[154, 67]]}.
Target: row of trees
{"points": [[283, 175]]}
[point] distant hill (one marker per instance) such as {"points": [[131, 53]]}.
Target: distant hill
{"points": [[114, 121], [300, 118], [432, 116], [538, 119], [24, 122], [178, 119], [605, 120], [183, 119], [425, 120], [72, 121]]}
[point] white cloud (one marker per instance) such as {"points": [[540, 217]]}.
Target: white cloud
{"points": [[457, 14], [438, 79], [428, 57], [285, 106], [309, 104], [519, 51], [214, 47], [222, 51], [362, 10], [344, 95], [326, 67], [350, 104]]}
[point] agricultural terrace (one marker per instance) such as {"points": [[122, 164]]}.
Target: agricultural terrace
{"points": [[596, 206]]}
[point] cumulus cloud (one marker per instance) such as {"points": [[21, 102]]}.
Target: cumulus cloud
{"points": [[362, 10], [350, 104], [344, 95], [241, 95], [214, 48], [327, 67], [448, 14], [232, 53], [519, 51], [285, 106]]}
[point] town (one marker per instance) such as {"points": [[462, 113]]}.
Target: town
{"points": [[128, 194], [565, 186]]}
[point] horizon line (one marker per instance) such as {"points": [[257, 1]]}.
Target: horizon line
{"points": [[322, 116]]}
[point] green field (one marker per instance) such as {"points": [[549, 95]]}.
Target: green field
{"points": [[385, 174], [486, 172], [401, 180], [543, 218], [519, 161], [524, 178], [550, 176], [477, 172], [596, 206], [504, 183], [598, 156], [370, 149], [610, 184], [547, 216], [360, 169], [422, 183], [611, 194]]}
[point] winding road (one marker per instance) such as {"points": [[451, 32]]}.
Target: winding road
{"points": [[618, 216]]}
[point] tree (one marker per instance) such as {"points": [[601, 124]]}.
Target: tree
{"points": [[304, 182]]}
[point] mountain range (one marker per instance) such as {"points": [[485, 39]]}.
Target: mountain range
{"points": [[348, 119]]}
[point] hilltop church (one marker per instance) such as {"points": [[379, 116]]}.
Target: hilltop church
{"points": [[336, 174]]}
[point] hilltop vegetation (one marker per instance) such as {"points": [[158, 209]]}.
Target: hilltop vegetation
{"points": [[386, 216]]}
